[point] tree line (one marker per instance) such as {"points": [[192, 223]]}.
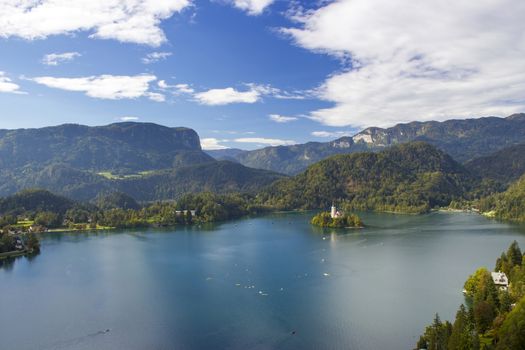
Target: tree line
{"points": [[492, 318]]}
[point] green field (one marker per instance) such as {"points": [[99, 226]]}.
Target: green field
{"points": [[110, 176]]}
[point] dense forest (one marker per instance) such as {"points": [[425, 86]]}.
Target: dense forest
{"points": [[413, 177], [216, 176], [506, 165], [42, 209], [509, 205], [493, 318]]}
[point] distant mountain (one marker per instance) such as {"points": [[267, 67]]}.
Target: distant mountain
{"points": [[215, 176], [506, 165], [144, 160], [412, 177], [462, 139], [122, 147], [294, 159], [230, 154]]}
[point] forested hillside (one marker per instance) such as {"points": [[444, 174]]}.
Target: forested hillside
{"points": [[148, 161], [509, 205], [413, 177], [506, 165], [215, 176], [493, 318]]}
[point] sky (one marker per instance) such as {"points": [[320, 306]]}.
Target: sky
{"points": [[254, 73]]}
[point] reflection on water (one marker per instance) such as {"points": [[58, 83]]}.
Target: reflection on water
{"points": [[270, 282], [9, 262]]}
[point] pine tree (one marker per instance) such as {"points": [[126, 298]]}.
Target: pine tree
{"points": [[514, 255], [462, 337]]}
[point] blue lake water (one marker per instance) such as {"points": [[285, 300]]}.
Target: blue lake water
{"points": [[271, 282]]}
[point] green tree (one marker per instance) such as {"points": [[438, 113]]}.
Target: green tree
{"points": [[188, 217], [48, 219], [436, 336], [486, 290], [32, 242], [514, 255], [512, 332], [484, 314], [505, 301], [502, 260], [463, 335], [8, 220], [7, 243], [472, 282]]}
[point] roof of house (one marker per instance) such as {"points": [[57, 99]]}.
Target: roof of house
{"points": [[500, 278]]}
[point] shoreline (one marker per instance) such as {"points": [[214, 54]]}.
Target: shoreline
{"points": [[14, 254], [293, 211]]}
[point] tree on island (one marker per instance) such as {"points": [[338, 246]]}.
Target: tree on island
{"points": [[324, 219]]}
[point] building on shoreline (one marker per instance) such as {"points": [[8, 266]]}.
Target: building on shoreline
{"points": [[500, 280]]}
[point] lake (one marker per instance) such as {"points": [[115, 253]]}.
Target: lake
{"points": [[272, 282]]}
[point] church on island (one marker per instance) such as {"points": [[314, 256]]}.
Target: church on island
{"points": [[334, 213]]}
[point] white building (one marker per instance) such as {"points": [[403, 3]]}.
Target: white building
{"points": [[500, 280], [334, 213]]}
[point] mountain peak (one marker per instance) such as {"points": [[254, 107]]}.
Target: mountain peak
{"points": [[516, 116], [129, 145]]}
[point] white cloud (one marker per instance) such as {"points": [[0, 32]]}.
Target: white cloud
{"points": [[253, 7], [211, 143], [162, 84], [215, 97], [330, 133], [112, 87], [129, 118], [155, 57], [7, 85], [54, 59], [406, 61], [184, 88], [176, 89], [155, 96], [252, 94], [265, 141], [281, 118], [134, 21], [233, 132]]}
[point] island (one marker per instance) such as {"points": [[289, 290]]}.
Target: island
{"points": [[337, 219]]}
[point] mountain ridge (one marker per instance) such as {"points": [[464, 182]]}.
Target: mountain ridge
{"points": [[463, 139], [123, 146]]}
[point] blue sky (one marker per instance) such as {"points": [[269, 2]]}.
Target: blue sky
{"points": [[249, 73]]}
